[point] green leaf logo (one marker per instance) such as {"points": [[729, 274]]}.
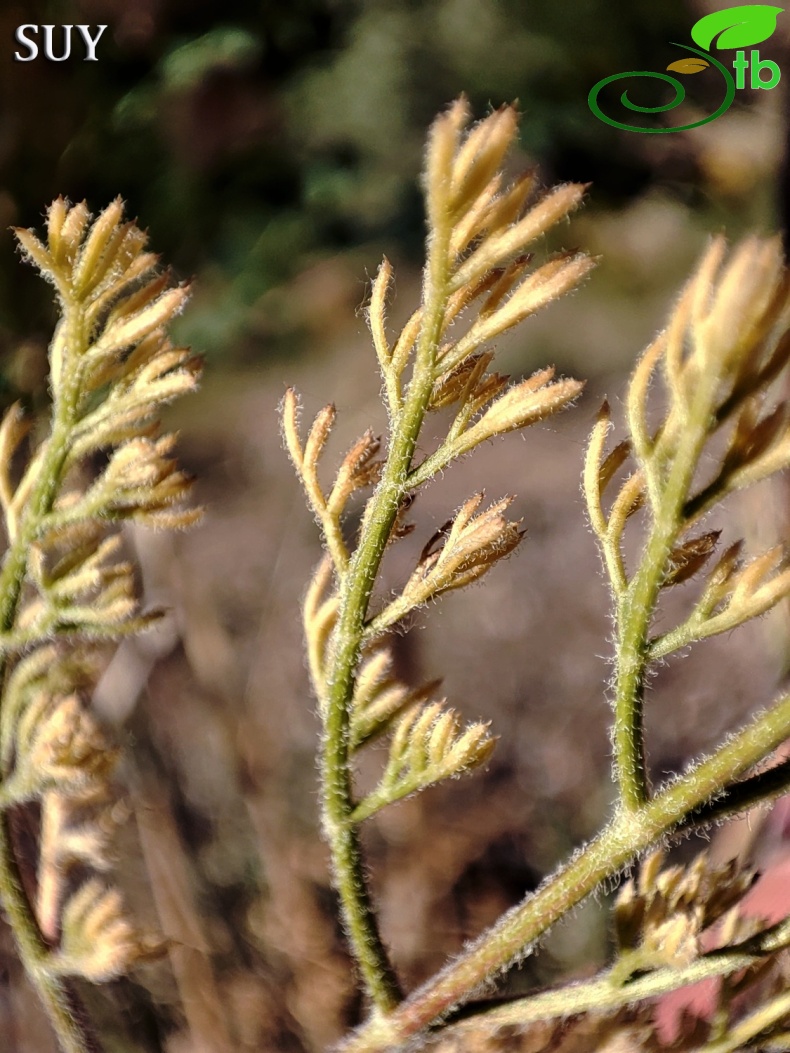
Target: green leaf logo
{"points": [[689, 65], [737, 27]]}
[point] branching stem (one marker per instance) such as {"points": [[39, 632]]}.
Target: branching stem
{"points": [[338, 802], [602, 994], [637, 605], [711, 346], [71, 1032], [629, 833]]}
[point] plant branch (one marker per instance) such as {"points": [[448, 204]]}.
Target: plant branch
{"points": [[628, 834], [740, 1035], [477, 232], [603, 995], [338, 803], [56, 578], [739, 797], [636, 607], [66, 1017], [68, 1026]]}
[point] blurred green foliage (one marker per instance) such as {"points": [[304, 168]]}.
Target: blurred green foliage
{"points": [[255, 138]]}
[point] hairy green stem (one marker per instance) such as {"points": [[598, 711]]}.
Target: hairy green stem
{"points": [[636, 607], [338, 802], [629, 833], [44, 490], [55, 996], [58, 1002], [602, 994]]}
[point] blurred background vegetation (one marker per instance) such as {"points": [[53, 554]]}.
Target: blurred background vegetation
{"points": [[273, 153], [257, 140]]}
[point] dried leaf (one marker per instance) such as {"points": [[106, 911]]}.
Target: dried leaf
{"points": [[689, 557]]}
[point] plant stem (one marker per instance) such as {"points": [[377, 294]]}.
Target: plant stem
{"points": [[57, 1000], [635, 611], [338, 803], [44, 490], [628, 833], [742, 1033], [603, 995], [741, 796]]}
